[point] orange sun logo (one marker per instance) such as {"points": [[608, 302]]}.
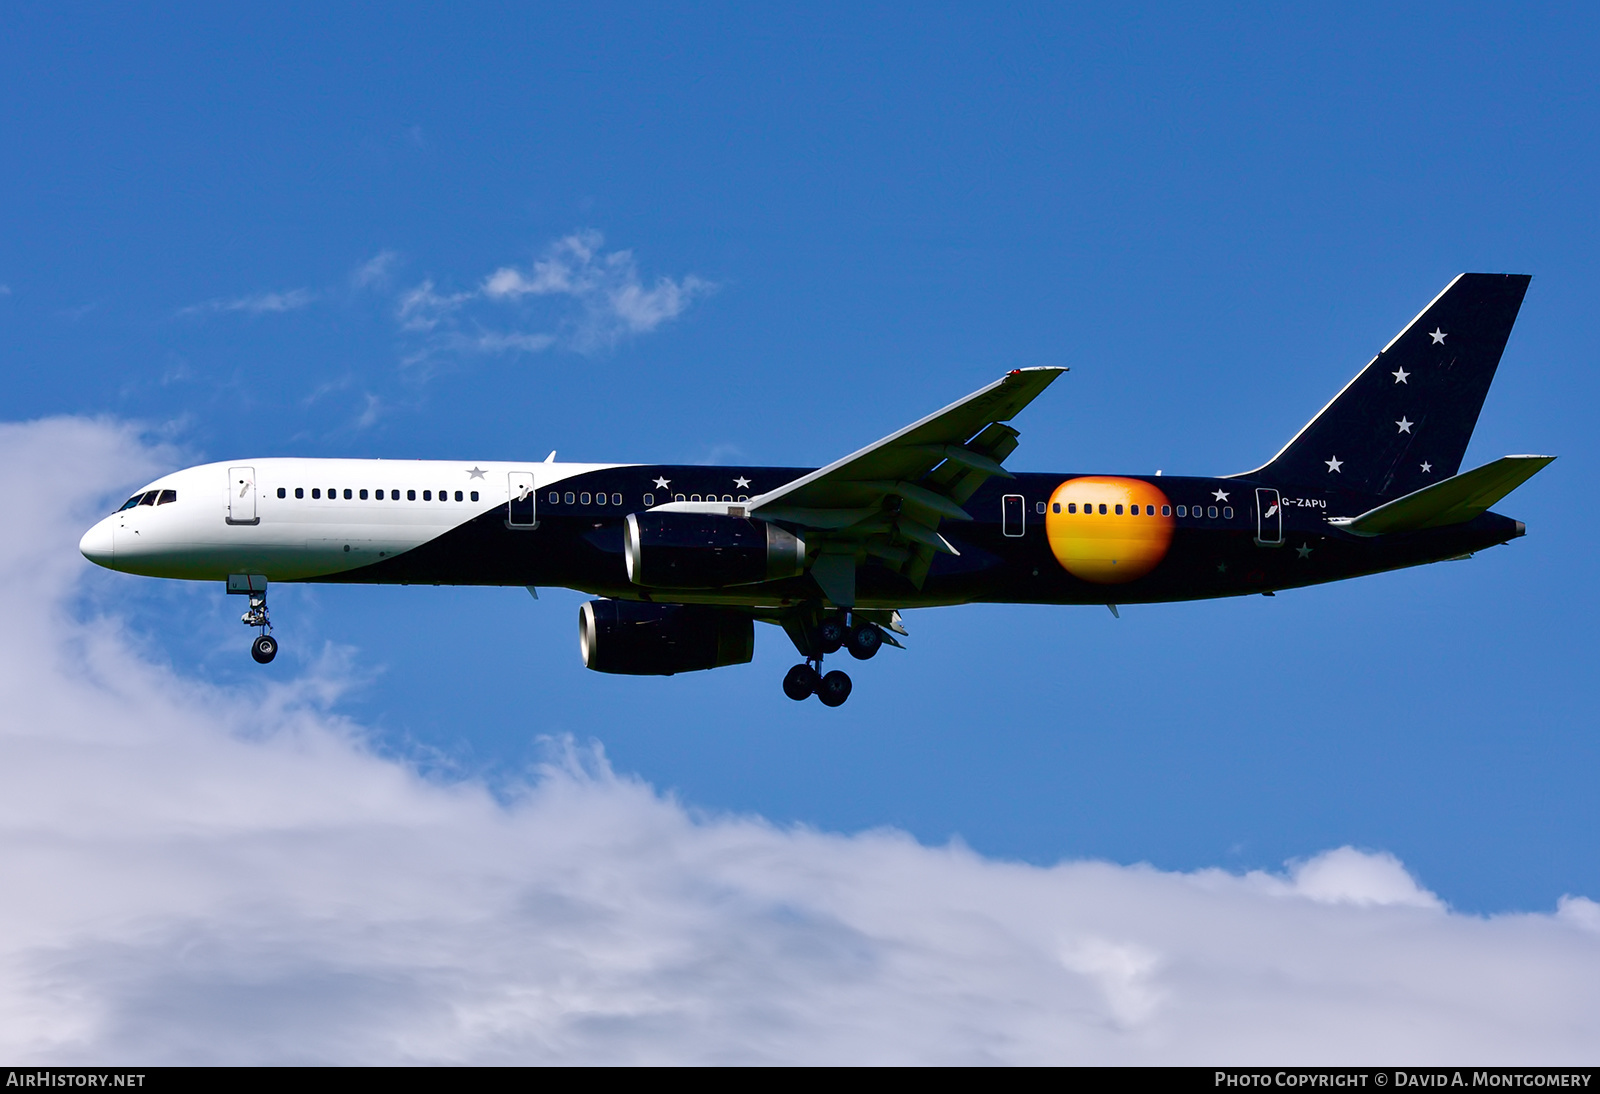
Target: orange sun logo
{"points": [[1108, 530]]}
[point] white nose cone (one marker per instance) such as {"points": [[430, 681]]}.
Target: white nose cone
{"points": [[96, 544]]}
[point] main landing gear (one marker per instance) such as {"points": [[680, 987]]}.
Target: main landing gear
{"points": [[832, 633]]}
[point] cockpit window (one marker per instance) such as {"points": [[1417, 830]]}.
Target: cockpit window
{"points": [[166, 497], [150, 497], [131, 502]]}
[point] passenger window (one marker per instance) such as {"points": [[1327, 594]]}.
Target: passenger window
{"points": [[1166, 510], [583, 499], [474, 495], [347, 493], [1119, 510], [599, 499], [1102, 509], [363, 495], [1072, 507], [316, 493], [282, 493], [616, 499], [1212, 512], [571, 498], [744, 497], [694, 497], [411, 495], [458, 495], [1183, 511], [677, 497], [555, 497], [427, 495], [727, 497], [300, 492], [649, 500], [1227, 512], [1055, 507], [1038, 507]]}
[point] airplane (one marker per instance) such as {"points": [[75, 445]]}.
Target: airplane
{"points": [[684, 560]]}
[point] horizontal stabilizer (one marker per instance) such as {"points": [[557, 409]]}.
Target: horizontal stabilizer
{"points": [[1455, 500]]}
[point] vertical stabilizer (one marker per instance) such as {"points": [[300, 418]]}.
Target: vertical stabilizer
{"points": [[1404, 422]]}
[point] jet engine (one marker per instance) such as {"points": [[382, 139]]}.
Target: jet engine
{"points": [[708, 551], [633, 639]]}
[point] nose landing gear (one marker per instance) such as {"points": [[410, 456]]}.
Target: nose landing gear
{"points": [[265, 647]]}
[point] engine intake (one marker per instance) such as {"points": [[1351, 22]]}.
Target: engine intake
{"points": [[632, 639], [708, 551]]}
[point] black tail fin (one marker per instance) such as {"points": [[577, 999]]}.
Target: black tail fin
{"points": [[1405, 420]]}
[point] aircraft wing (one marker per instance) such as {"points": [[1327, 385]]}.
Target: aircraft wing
{"points": [[888, 499]]}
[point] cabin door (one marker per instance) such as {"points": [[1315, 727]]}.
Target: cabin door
{"points": [[242, 496], [521, 499], [1012, 517], [1269, 518]]}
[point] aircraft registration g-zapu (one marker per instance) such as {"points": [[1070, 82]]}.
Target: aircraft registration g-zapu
{"points": [[685, 559]]}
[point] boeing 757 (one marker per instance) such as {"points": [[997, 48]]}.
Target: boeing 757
{"points": [[684, 560]]}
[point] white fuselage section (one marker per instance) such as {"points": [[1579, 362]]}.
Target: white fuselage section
{"points": [[296, 519]]}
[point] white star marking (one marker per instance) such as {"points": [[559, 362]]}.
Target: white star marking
{"points": [[1304, 550], [1438, 336], [1405, 426], [1221, 495], [663, 483], [1400, 375], [742, 483], [1334, 464], [475, 472], [1427, 468]]}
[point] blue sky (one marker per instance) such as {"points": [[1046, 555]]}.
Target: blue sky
{"points": [[843, 220]]}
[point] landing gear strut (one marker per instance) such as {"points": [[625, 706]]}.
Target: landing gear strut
{"points": [[265, 647]]}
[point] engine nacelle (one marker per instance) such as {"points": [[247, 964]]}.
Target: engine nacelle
{"points": [[708, 551], [632, 639]]}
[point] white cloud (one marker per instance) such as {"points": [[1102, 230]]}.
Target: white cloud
{"points": [[375, 270], [1348, 876], [372, 409], [422, 309], [576, 294], [202, 874], [255, 304]]}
